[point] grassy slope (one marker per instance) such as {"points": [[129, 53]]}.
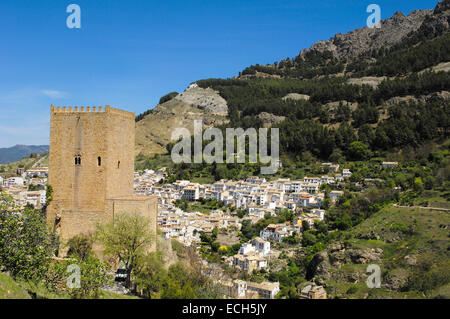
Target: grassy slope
{"points": [[428, 244], [9, 289], [26, 163]]}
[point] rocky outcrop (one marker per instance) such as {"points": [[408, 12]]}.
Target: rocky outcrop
{"points": [[392, 31], [296, 97], [154, 131], [332, 106], [416, 99], [324, 263], [269, 119], [367, 80], [204, 99], [439, 21], [319, 266], [396, 279], [339, 255], [364, 256]]}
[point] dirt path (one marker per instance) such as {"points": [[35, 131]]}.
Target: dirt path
{"points": [[39, 162], [422, 207]]}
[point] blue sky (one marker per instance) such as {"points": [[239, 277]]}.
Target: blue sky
{"points": [[130, 53]]}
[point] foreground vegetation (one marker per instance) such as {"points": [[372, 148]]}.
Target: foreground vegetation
{"points": [[28, 267]]}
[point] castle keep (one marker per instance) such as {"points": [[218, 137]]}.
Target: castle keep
{"points": [[91, 169]]}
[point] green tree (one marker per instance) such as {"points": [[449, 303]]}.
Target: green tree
{"points": [[429, 182], [167, 97], [127, 238], [418, 184], [26, 245], [183, 283], [215, 246], [336, 156], [358, 151], [308, 238], [152, 276], [343, 113], [94, 274], [179, 284], [80, 246], [305, 225]]}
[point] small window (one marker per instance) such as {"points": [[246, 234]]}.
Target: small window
{"points": [[99, 161], [118, 164], [78, 160]]}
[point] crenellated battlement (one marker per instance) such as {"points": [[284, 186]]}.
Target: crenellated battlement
{"points": [[89, 109], [79, 109]]}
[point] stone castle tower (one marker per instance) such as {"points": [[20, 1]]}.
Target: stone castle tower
{"points": [[91, 169]]}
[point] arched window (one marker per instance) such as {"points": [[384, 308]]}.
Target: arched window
{"points": [[78, 160], [99, 161]]}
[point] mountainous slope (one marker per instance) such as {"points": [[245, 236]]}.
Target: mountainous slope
{"points": [[352, 44], [365, 47], [410, 246], [353, 80], [17, 152], [358, 99], [154, 131]]}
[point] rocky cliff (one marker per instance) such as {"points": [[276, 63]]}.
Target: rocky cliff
{"points": [[392, 31], [154, 131]]}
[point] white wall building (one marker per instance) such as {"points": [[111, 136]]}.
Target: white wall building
{"points": [[15, 181], [246, 249], [346, 173], [320, 213], [262, 246], [191, 193], [36, 198], [334, 195], [266, 290]]}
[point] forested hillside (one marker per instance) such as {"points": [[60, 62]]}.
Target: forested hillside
{"points": [[389, 93]]}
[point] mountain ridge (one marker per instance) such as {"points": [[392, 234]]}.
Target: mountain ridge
{"points": [[372, 58], [19, 151]]}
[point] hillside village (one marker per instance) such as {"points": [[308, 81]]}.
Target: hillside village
{"points": [[363, 175], [192, 213], [256, 196]]}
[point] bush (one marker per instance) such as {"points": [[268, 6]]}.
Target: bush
{"points": [[26, 245], [93, 273], [352, 289], [80, 246], [308, 239], [358, 151]]}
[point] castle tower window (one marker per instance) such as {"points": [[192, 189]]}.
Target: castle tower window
{"points": [[99, 161]]}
